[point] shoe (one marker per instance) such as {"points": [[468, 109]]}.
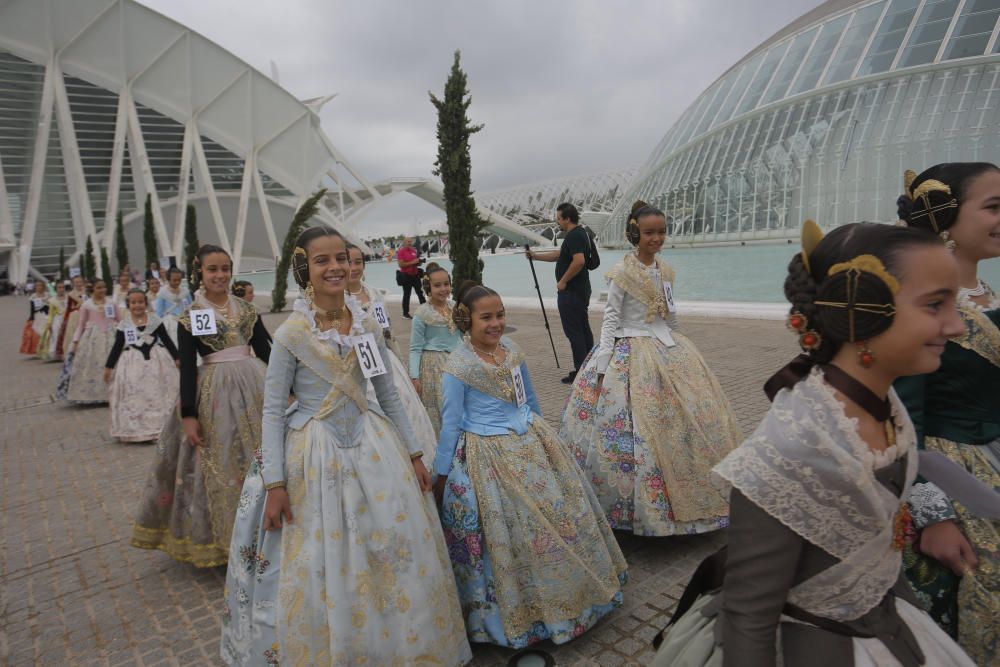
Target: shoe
{"points": [[569, 378], [407, 316]]}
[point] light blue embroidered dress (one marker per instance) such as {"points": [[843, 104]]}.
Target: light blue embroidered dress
{"points": [[533, 555], [432, 338], [361, 575], [170, 305]]}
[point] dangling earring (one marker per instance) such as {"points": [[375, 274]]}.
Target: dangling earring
{"points": [[949, 242], [865, 356], [809, 340], [310, 293]]}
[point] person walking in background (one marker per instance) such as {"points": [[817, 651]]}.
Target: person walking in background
{"points": [[573, 283], [408, 276]]}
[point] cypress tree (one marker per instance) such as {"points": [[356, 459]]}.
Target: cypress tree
{"points": [[190, 242], [306, 211], [89, 266], [62, 264], [121, 250], [454, 166], [149, 233], [106, 267]]}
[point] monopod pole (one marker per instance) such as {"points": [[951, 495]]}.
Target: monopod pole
{"points": [[542, 304]]}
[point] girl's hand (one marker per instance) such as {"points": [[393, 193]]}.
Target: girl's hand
{"points": [[946, 543], [419, 387], [423, 477], [277, 506], [439, 485], [107, 375], [192, 430]]}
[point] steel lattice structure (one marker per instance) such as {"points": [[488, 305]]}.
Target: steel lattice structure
{"points": [[822, 119]]}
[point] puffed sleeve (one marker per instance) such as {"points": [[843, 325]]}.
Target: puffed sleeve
{"points": [[277, 386], [612, 320], [451, 422], [388, 400], [417, 340], [760, 570]]}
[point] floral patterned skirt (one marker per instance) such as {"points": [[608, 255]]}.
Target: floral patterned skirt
{"points": [[361, 576], [649, 437], [533, 556], [190, 500], [432, 365], [86, 381], [143, 394], [29, 338], [970, 604]]}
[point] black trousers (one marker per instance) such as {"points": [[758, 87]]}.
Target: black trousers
{"points": [[411, 283], [576, 325]]}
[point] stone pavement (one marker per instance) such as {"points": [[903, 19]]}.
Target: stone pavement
{"points": [[73, 592]]}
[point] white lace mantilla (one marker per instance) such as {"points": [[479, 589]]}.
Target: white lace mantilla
{"points": [[965, 299], [331, 335], [806, 466]]}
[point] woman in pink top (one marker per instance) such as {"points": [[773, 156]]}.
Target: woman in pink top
{"points": [[93, 340]]}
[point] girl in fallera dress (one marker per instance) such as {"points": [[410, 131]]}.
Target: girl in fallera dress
{"points": [[152, 290], [956, 409], [38, 313], [50, 337], [337, 555], [190, 500], [141, 371], [121, 290], [74, 300], [92, 341], [647, 419], [533, 555], [372, 301], [172, 300], [433, 336], [819, 512]]}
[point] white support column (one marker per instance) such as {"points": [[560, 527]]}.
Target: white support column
{"points": [[265, 212], [41, 148], [115, 177], [180, 213], [249, 166], [203, 177], [76, 182], [139, 157], [6, 219]]}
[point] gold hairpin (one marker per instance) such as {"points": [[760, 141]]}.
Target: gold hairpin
{"points": [[299, 251], [869, 264]]}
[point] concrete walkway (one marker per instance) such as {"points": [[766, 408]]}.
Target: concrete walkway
{"points": [[73, 592]]}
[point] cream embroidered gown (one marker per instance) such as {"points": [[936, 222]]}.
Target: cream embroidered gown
{"points": [[362, 574]]}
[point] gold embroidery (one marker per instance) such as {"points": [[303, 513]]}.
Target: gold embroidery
{"points": [[981, 335], [633, 277], [495, 381]]}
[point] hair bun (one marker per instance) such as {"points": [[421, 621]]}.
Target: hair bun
{"points": [[636, 205], [904, 206]]}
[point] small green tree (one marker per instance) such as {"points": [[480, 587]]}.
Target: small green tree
{"points": [[89, 265], [121, 250], [149, 233], [306, 211], [106, 267], [190, 242], [62, 264], [454, 166]]}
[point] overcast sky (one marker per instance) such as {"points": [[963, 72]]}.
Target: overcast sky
{"points": [[564, 87]]}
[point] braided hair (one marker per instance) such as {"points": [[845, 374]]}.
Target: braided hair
{"points": [[300, 261], [468, 294], [937, 210], [820, 297], [425, 281]]}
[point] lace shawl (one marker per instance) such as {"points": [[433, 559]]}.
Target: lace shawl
{"points": [[433, 318], [146, 335], [236, 328], [806, 466], [633, 277], [495, 381], [981, 335]]}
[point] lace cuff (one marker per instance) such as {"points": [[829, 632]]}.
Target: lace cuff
{"points": [[929, 505]]}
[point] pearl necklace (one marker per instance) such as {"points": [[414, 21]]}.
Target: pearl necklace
{"points": [[492, 355], [978, 290]]}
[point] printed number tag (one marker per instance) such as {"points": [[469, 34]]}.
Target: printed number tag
{"points": [[109, 311], [74, 271], [520, 394], [37, 303], [378, 312], [203, 322], [369, 356], [131, 336], [668, 290]]}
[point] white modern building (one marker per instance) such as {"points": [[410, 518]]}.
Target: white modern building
{"points": [[821, 120], [103, 102]]}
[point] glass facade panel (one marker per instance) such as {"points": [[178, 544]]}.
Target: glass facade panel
{"points": [[889, 37], [819, 56], [930, 29], [749, 69], [762, 78], [20, 95], [853, 43], [973, 29], [793, 59]]}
